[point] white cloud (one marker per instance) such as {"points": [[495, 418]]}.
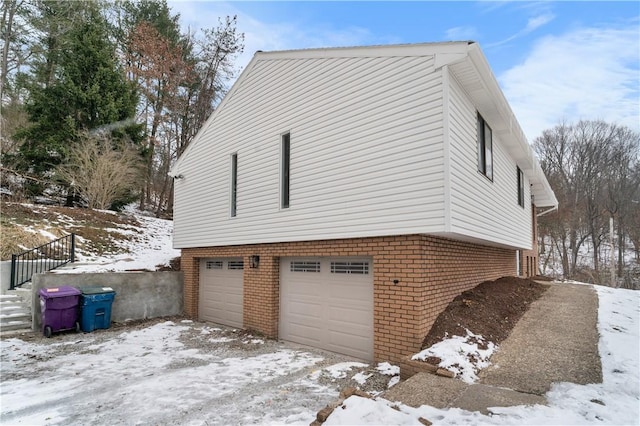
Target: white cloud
{"points": [[461, 33], [588, 73], [532, 24], [538, 21]]}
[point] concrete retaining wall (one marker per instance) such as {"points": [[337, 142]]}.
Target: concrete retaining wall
{"points": [[5, 276], [139, 295]]}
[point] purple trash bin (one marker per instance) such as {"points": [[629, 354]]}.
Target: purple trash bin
{"points": [[59, 307]]}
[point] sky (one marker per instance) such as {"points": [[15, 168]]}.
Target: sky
{"points": [[555, 61]]}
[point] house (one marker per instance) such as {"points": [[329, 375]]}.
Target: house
{"points": [[341, 198]]}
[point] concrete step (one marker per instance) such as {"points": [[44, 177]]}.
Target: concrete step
{"points": [[15, 326], [9, 299], [8, 318], [24, 294], [15, 311]]}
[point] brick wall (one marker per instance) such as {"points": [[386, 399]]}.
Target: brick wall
{"points": [[430, 272]]}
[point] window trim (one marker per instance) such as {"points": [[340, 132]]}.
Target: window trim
{"points": [[520, 187], [484, 147], [233, 196], [285, 170]]}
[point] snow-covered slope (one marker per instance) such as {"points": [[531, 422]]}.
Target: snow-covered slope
{"points": [[105, 240]]}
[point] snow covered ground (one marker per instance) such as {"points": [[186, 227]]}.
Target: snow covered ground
{"points": [[191, 373], [151, 246], [172, 373], [616, 401]]}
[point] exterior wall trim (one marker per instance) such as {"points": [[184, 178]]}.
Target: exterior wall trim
{"points": [[446, 147]]}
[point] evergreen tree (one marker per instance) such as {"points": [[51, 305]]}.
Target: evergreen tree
{"points": [[85, 89]]}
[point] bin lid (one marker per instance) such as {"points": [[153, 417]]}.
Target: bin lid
{"points": [[61, 291], [96, 290]]}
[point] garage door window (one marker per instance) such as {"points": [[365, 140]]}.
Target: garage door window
{"points": [[235, 264], [304, 266], [214, 264], [349, 267]]}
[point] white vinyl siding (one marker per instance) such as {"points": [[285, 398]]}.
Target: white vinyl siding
{"points": [[480, 208], [366, 154]]}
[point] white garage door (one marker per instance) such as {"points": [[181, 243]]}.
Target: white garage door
{"points": [[328, 303], [220, 298]]}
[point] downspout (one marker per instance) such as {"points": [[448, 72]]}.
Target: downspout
{"points": [[547, 211]]}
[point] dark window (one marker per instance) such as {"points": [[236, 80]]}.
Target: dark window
{"points": [[234, 183], [520, 187], [485, 148], [286, 169], [349, 267], [305, 266], [214, 264], [235, 264]]}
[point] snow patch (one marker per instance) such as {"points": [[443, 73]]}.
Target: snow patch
{"points": [[361, 377], [388, 369], [339, 371], [462, 355]]}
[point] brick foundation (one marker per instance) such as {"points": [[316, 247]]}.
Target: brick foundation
{"points": [[430, 271]]}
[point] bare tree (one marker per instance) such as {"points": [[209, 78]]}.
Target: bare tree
{"points": [[590, 165], [100, 172], [622, 182]]}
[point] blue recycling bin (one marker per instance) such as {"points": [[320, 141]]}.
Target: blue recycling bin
{"points": [[96, 308]]}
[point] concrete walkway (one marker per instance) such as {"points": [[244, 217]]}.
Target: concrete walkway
{"points": [[556, 340]]}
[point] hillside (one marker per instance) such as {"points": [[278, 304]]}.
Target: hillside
{"points": [[105, 240]]}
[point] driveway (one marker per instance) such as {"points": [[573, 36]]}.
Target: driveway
{"points": [[172, 372], [555, 341]]}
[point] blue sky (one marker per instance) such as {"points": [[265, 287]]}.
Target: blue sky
{"points": [[554, 60]]}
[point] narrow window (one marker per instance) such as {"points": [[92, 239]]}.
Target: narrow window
{"points": [[234, 183], [286, 169], [485, 148], [520, 188]]}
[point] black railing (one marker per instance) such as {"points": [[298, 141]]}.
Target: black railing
{"points": [[42, 259]]}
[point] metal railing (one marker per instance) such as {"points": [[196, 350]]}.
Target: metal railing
{"points": [[42, 259]]}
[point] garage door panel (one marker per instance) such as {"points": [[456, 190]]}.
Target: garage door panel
{"points": [[305, 309], [347, 316], [325, 309], [347, 291], [305, 288], [348, 343], [221, 291]]}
